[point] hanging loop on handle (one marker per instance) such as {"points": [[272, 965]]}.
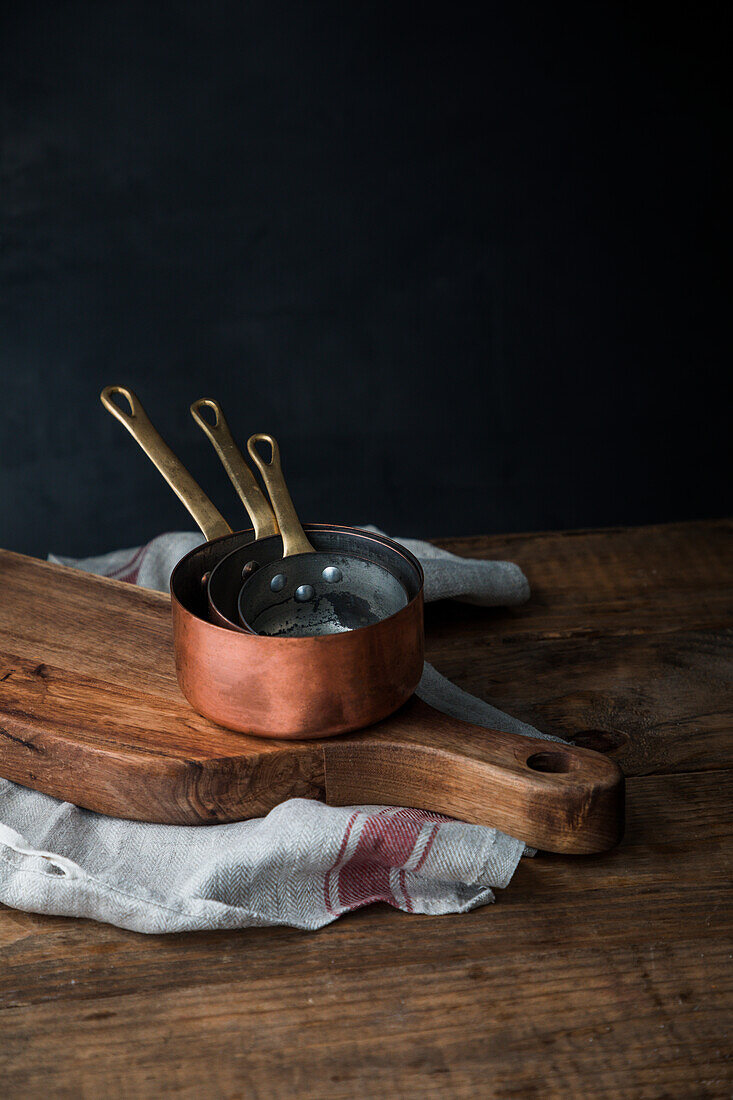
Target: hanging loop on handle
{"points": [[295, 540], [240, 475], [206, 515]]}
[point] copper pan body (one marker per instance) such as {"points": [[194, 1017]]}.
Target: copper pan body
{"points": [[295, 688]]}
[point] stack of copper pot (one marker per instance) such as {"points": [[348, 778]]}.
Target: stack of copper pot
{"points": [[283, 630]]}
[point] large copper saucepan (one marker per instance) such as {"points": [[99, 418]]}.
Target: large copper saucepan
{"points": [[294, 687]]}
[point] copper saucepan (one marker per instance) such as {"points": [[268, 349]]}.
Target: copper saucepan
{"points": [[294, 687], [309, 591], [342, 588]]}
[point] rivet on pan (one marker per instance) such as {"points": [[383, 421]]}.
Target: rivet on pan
{"points": [[278, 582], [249, 568], [332, 574], [205, 579], [304, 593]]}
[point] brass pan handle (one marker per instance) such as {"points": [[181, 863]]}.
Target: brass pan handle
{"points": [[240, 475], [295, 540], [207, 516]]}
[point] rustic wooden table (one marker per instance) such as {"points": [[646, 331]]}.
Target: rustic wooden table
{"points": [[593, 976]]}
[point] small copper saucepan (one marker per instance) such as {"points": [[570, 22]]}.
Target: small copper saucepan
{"points": [[294, 687], [306, 591]]}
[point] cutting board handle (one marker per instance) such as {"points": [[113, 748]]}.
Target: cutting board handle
{"points": [[554, 796]]}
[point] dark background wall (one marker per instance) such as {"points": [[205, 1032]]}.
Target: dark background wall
{"points": [[464, 260]]}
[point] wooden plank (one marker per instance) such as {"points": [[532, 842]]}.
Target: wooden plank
{"points": [[631, 1025], [655, 701], [602, 977], [676, 576], [625, 644]]}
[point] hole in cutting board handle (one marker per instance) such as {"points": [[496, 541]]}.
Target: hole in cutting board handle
{"points": [[555, 761]]}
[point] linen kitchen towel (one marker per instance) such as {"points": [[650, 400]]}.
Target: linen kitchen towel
{"points": [[305, 863]]}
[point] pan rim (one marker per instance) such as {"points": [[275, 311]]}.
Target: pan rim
{"points": [[320, 639]]}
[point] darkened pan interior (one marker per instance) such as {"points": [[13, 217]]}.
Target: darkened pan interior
{"points": [[319, 593], [309, 592], [224, 559]]}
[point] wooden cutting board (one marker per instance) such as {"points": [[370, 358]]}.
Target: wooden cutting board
{"points": [[91, 712]]}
